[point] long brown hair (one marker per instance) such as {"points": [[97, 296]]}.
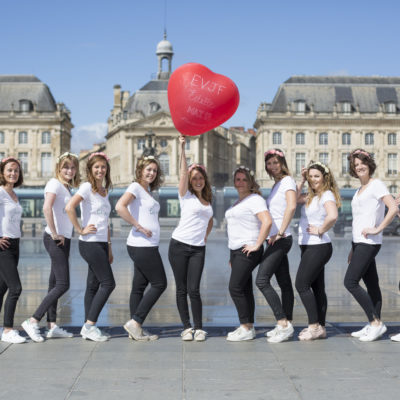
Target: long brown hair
{"points": [[3, 164], [254, 186], [206, 192], [329, 183], [75, 182], [141, 164], [91, 179], [280, 156]]}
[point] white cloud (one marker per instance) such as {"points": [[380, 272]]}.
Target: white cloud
{"points": [[85, 136]]}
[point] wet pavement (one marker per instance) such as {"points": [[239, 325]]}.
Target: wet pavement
{"points": [[340, 367]]}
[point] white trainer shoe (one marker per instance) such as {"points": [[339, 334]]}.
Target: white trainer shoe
{"points": [[240, 334], [281, 334], [361, 332], [12, 336], [200, 335], [187, 335], [272, 332], [396, 338], [93, 333], [33, 331], [374, 332], [57, 332], [150, 336]]}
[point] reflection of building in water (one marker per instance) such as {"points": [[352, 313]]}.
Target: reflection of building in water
{"points": [[325, 118], [33, 127], [144, 116]]}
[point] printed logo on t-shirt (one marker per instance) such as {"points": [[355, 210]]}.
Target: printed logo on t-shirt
{"points": [[102, 211], [153, 209], [14, 216]]}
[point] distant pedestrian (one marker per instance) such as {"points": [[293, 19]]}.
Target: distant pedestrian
{"points": [[281, 204], [318, 214], [94, 240], [248, 223], [57, 241], [138, 207], [188, 243], [369, 220], [10, 221]]}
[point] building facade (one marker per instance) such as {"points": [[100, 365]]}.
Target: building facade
{"points": [[142, 122], [33, 127], [325, 118]]}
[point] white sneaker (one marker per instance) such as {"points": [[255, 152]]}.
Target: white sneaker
{"points": [[32, 329], [57, 332], [361, 332], [281, 334], [233, 332], [187, 335], [396, 338], [151, 336], [272, 332], [12, 336], [135, 332], [200, 335], [374, 332], [241, 334], [93, 333]]}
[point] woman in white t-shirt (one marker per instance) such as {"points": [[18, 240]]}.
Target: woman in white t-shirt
{"points": [[318, 214], [281, 204], [94, 240], [248, 224], [57, 241], [138, 207], [188, 243], [369, 220], [10, 233]]}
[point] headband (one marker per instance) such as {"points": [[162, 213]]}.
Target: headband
{"points": [[251, 173], [274, 152], [361, 152], [4, 160], [196, 166], [320, 164], [67, 154], [101, 154]]}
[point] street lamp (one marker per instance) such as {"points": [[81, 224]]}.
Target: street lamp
{"points": [[149, 150]]}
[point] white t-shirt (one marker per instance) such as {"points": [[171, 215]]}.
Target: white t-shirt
{"points": [[368, 211], [315, 215], [10, 216], [145, 210], [276, 202], [61, 221], [194, 220], [95, 209], [243, 223]]}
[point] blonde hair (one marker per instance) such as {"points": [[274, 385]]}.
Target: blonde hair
{"points": [[141, 164], [75, 182]]}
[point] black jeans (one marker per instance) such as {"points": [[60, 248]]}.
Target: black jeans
{"points": [[275, 261], [310, 280], [58, 280], [9, 280], [241, 282], [187, 263], [363, 266], [100, 280], [148, 268]]}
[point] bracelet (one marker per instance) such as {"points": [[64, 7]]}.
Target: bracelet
{"points": [[280, 234]]}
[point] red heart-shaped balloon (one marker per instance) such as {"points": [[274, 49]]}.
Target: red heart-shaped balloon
{"points": [[199, 99]]}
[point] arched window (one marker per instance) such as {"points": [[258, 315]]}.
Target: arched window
{"points": [[276, 138], [22, 138], [164, 163], [346, 107], [154, 107], [46, 138], [300, 106], [25, 105], [369, 139], [392, 139], [346, 139], [323, 138], [390, 107], [1, 137], [300, 138]]}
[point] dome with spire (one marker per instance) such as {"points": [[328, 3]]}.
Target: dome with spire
{"points": [[164, 47]]}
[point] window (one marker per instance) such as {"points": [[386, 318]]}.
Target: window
{"points": [[392, 138], [392, 163], [188, 161], [46, 138], [1, 137], [390, 107], [187, 146], [369, 139], [22, 138], [345, 163], [393, 190], [300, 138], [2, 155], [300, 162], [323, 139], [25, 106], [164, 164], [23, 158], [46, 164], [346, 107], [346, 139], [154, 107], [163, 142], [276, 138], [324, 158], [141, 143], [300, 106]]}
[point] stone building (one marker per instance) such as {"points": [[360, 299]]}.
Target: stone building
{"points": [[33, 127], [142, 122], [325, 118]]}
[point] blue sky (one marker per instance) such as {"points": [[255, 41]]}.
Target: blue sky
{"points": [[80, 49]]}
